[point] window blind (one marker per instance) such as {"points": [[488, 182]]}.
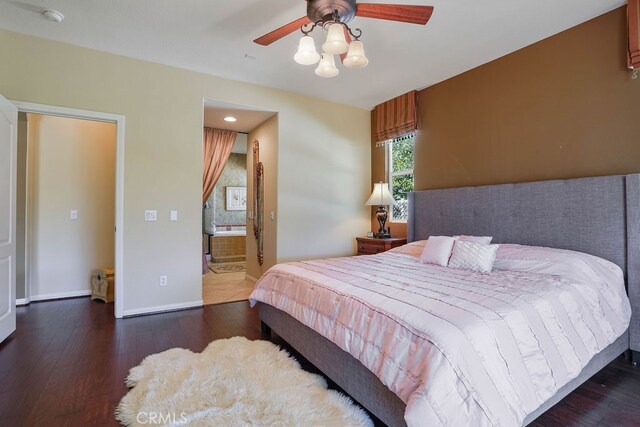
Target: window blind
{"points": [[397, 117]]}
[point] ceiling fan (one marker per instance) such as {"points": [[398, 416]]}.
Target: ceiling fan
{"points": [[334, 15]]}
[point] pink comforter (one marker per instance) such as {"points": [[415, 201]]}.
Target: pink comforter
{"points": [[460, 348]]}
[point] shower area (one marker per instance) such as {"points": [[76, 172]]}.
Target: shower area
{"points": [[224, 215]]}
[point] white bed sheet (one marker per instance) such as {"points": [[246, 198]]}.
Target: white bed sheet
{"points": [[458, 347]]}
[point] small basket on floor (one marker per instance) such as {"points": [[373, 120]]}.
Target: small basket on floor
{"points": [[102, 284]]}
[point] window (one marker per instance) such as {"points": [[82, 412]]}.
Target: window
{"points": [[399, 160]]}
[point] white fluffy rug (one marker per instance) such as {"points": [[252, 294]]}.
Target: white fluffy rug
{"points": [[233, 382]]}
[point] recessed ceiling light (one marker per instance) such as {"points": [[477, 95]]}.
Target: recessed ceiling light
{"points": [[230, 119], [53, 15]]}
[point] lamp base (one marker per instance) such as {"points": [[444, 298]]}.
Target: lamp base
{"points": [[381, 216], [381, 235]]}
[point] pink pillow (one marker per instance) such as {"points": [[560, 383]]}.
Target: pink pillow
{"points": [[437, 250], [413, 249]]}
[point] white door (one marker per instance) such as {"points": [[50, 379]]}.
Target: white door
{"points": [[8, 162]]}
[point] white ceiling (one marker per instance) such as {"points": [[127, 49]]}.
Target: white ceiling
{"points": [[247, 117], [215, 37]]}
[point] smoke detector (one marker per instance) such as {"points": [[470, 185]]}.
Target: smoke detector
{"points": [[53, 15]]}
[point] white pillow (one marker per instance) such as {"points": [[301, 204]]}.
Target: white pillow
{"points": [[483, 240], [473, 256], [577, 266], [437, 250]]}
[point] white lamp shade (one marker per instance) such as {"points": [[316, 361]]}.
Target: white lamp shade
{"points": [[336, 43], [380, 195], [327, 66], [306, 54], [356, 58]]}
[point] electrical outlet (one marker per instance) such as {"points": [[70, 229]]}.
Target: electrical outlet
{"points": [[150, 215], [174, 215], [163, 281], [74, 215]]}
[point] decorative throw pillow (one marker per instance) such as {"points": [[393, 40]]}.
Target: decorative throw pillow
{"points": [[483, 240], [437, 250], [473, 256]]}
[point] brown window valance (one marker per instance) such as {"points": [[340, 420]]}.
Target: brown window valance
{"points": [[633, 14], [397, 117]]}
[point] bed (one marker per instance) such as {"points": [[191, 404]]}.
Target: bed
{"points": [[597, 216]]}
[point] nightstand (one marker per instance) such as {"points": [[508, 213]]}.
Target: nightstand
{"points": [[371, 245]]}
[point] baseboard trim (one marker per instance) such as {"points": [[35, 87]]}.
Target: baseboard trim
{"points": [[60, 295], [250, 278], [22, 301], [162, 308]]}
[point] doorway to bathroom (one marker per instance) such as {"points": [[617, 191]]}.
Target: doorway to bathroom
{"points": [[227, 129]]}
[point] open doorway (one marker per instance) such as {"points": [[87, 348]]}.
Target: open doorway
{"points": [[224, 215], [69, 203]]}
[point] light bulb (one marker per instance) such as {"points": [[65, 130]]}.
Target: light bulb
{"points": [[356, 58], [327, 66], [336, 43], [306, 54]]}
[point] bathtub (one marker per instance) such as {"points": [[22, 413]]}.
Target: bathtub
{"points": [[228, 233], [228, 243]]}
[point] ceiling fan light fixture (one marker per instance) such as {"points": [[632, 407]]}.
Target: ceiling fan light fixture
{"points": [[327, 66], [334, 16], [336, 42], [307, 54], [356, 57]]}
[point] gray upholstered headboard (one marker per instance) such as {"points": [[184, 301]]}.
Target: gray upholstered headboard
{"points": [[599, 216]]}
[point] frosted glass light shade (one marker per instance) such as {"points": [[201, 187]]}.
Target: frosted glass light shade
{"points": [[336, 43], [380, 195], [356, 58], [327, 66], [306, 54]]}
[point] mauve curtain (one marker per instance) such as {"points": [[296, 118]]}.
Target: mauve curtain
{"points": [[633, 14], [216, 149], [397, 117]]}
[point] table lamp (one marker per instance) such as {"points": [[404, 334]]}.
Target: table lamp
{"points": [[381, 197]]}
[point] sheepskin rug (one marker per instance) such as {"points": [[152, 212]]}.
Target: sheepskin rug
{"points": [[233, 382]]}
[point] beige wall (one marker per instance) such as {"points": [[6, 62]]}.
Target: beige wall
{"points": [[71, 166], [565, 107], [322, 186], [267, 135], [323, 150]]}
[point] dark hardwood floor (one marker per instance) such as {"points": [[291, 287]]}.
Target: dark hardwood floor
{"points": [[66, 364]]}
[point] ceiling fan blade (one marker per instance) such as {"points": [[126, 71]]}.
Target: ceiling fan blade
{"points": [[395, 12], [347, 37], [285, 30]]}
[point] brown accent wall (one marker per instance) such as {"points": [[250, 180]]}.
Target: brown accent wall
{"points": [[564, 107]]}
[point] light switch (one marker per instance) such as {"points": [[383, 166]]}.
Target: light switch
{"points": [[150, 215], [174, 215], [74, 215]]}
